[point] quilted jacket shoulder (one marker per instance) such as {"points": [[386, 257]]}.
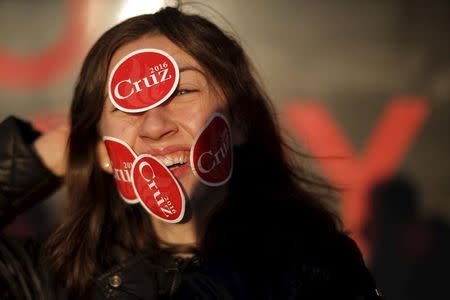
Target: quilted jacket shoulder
{"points": [[24, 180]]}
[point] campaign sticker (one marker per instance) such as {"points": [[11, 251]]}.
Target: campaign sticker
{"points": [[157, 189], [122, 158], [211, 155], [143, 79]]}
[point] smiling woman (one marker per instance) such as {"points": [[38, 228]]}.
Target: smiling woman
{"points": [[168, 130], [258, 232]]}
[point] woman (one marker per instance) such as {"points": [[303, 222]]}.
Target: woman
{"points": [[262, 235]]}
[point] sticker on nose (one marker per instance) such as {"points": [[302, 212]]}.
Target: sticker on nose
{"points": [[122, 158], [142, 80], [157, 189], [211, 155]]}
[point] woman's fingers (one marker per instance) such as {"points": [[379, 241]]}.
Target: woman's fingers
{"points": [[51, 148]]}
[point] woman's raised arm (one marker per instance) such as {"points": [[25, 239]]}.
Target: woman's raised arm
{"points": [[26, 172]]}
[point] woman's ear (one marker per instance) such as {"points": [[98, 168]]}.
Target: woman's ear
{"points": [[103, 158]]}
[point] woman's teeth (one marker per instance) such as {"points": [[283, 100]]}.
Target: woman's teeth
{"points": [[174, 159]]}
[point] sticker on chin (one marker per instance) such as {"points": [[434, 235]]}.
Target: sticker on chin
{"points": [[157, 189]]}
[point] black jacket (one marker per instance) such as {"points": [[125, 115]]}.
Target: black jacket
{"points": [[333, 271]]}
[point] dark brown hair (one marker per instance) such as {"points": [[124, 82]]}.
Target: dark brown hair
{"points": [[99, 230]]}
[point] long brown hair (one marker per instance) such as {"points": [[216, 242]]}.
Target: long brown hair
{"points": [[98, 229]]}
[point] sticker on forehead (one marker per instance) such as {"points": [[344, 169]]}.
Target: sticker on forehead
{"points": [[122, 158], [143, 79], [157, 189], [211, 155]]}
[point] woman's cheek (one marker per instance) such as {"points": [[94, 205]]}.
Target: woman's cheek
{"points": [[123, 127]]}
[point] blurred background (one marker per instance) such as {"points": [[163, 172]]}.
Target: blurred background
{"points": [[364, 86]]}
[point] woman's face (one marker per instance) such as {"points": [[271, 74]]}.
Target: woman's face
{"points": [[167, 131]]}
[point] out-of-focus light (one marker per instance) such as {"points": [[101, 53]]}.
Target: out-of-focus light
{"points": [[133, 8]]}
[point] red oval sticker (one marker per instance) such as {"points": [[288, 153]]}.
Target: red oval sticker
{"points": [[157, 189], [143, 79], [122, 158], [211, 155]]}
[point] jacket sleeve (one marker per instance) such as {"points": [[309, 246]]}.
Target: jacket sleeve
{"points": [[346, 275], [24, 180], [349, 274], [332, 269]]}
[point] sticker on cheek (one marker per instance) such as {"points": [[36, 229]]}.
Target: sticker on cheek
{"points": [[143, 79], [157, 189], [122, 158], [211, 154]]}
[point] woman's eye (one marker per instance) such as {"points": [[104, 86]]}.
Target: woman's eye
{"points": [[181, 92]]}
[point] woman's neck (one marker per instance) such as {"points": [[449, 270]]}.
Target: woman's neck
{"points": [[176, 234], [190, 232]]}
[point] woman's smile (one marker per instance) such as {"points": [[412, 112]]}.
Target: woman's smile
{"points": [[174, 157]]}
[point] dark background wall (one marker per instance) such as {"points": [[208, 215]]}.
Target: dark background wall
{"points": [[368, 81]]}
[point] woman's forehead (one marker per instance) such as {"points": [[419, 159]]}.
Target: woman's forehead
{"points": [[156, 42]]}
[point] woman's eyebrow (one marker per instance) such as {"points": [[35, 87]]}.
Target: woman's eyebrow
{"points": [[191, 68]]}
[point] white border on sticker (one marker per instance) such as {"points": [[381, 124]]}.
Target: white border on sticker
{"points": [[183, 199], [137, 110], [191, 155], [110, 138]]}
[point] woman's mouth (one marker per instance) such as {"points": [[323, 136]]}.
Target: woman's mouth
{"points": [[177, 162]]}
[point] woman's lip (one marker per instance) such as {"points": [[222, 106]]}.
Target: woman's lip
{"points": [[180, 171], [166, 150]]}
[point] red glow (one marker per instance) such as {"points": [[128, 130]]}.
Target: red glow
{"points": [[385, 149], [39, 69]]}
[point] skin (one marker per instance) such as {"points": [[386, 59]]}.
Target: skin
{"points": [[45, 147]]}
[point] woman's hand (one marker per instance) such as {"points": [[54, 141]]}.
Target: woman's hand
{"points": [[51, 148]]}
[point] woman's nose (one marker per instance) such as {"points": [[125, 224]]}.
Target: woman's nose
{"points": [[157, 123]]}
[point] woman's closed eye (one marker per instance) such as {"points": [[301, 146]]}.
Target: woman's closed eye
{"points": [[178, 92], [184, 91]]}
